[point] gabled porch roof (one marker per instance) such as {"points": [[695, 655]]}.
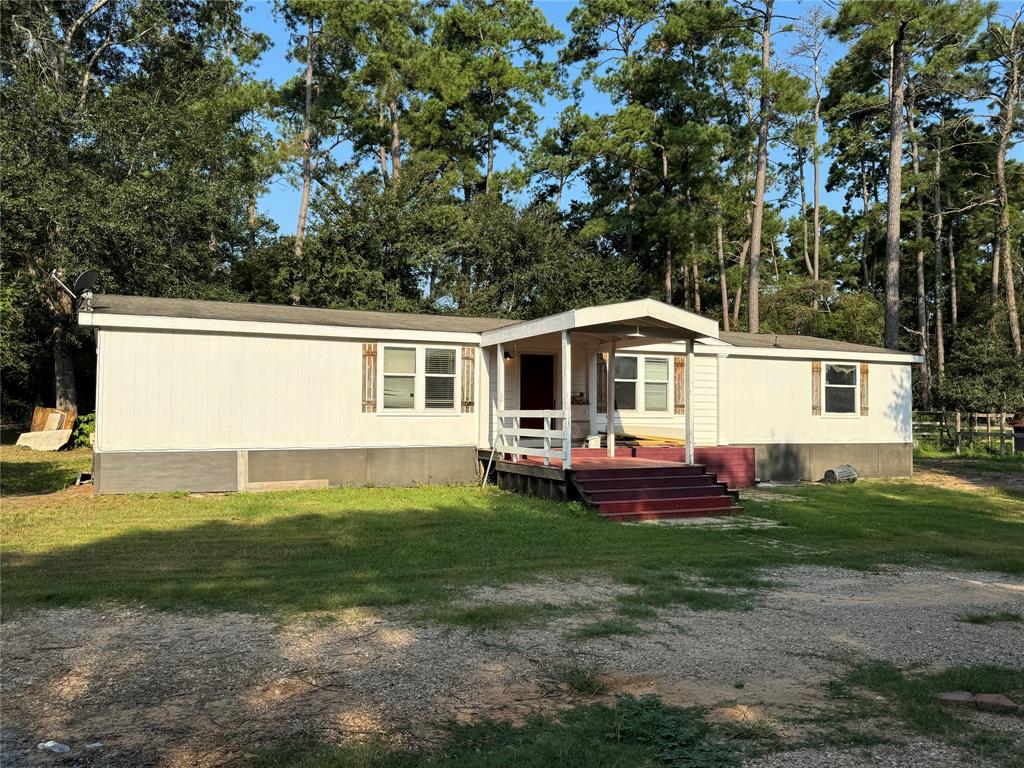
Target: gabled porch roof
{"points": [[644, 320]]}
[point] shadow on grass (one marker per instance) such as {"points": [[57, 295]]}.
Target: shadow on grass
{"points": [[25, 471], [326, 550]]}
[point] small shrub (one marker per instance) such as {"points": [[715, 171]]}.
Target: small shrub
{"points": [[81, 434], [984, 619]]}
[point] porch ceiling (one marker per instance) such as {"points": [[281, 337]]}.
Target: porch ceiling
{"points": [[641, 322]]}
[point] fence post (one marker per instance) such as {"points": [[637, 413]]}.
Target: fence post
{"points": [[1002, 434], [547, 442], [515, 438], [958, 433]]}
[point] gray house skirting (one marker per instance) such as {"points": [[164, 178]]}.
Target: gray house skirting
{"points": [[211, 471], [808, 461]]}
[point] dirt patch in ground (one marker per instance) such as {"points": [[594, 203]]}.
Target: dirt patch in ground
{"points": [[963, 475], [130, 687]]}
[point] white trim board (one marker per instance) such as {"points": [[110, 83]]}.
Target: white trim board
{"points": [[260, 328]]}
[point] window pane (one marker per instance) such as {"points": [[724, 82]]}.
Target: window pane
{"points": [[656, 396], [440, 392], [399, 360], [399, 391], [839, 399], [655, 369], [440, 361], [625, 395], [841, 374], [625, 367]]}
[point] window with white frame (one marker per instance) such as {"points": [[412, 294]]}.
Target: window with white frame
{"points": [[650, 372], [399, 378], [840, 388], [625, 383], [439, 378], [656, 384]]}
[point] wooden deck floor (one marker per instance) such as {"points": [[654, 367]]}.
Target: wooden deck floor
{"points": [[602, 462]]}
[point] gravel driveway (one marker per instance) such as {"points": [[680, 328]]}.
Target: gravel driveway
{"points": [[127, 687]]}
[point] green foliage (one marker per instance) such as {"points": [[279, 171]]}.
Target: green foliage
{"points": [[983, 374], [985, 619], [635, 733], [81, 435]]}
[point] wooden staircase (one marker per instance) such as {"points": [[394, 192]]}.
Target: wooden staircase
{"points": [[638, 493]]}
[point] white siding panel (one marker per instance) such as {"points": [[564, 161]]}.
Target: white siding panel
{"points": [[195, 391], [769, 401]]}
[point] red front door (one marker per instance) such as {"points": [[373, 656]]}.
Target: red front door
{"points": [[536, 386]]}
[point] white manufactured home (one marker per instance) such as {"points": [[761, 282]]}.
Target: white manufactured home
{"points": [[218, 396]]}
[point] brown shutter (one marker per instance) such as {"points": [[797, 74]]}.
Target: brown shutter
{"points": [[816, 388], [679, 385], [863, 389], [602, 383], [468, 383], [369, 378]]}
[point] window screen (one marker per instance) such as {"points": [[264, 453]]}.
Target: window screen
{"points": [[625, 383], [655, 384], [840, 388], [399, 377]]}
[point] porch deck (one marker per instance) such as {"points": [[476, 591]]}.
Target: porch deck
{"points": [[624, 487]]}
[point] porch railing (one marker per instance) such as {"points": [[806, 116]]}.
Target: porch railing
{"points": [[511, 432]]}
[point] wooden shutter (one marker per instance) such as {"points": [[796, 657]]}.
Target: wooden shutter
{"points": [[863, 389], [468, 382], [602, 383], [816, 388], [679, 385], [369, 378]]}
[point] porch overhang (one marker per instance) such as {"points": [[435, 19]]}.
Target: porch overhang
{"points": [[644, 321]]}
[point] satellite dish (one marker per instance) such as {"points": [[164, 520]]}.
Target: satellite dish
{"points": [[86, 281]]}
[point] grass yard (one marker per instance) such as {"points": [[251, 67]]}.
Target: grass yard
{"points": [[323, 550]]}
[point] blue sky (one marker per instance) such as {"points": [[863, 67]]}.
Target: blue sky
{"points": [[281, 201]]}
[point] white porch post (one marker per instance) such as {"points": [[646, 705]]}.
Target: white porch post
{"points": [[688, 401], [499, 404], [566, 400], [609, 405]]}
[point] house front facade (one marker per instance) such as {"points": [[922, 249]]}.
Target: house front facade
{"points": [[218, 396]]}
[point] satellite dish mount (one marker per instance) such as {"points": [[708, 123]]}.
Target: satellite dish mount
{"points": [[82, 291]]}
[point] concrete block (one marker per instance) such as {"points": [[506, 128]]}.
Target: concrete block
{"points": [[48, 440]]}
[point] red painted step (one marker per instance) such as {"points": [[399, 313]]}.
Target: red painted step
{"points": [[631, 472], [668, 481], [674, 492], [638, 517], [673, 504]]}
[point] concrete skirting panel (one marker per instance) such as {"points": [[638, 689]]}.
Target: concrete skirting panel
{"points": [[366, 466], [158, 471], [154, 471], [808, 461]]}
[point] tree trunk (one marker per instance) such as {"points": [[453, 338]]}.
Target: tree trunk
{"points": [[696, 284], [490, 160], [952, 281], [922, 305], [1004, 250], [892, 236], [803, 218], [722, 284], [739, 287], [940, 346], [307, 145], [866, 244], [754, 276], [382, 150], [667, 277], [817, 182], [396, 142]]}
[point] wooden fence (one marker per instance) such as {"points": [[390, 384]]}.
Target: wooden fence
{"points": [[956, 428]]}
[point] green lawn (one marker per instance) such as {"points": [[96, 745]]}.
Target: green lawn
{"points": [[23, 470], [322, 550]]}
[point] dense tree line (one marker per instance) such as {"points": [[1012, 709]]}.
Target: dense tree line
{"points": [[137, 140]]}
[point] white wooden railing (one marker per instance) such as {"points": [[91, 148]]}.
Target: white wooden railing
{"points": [[510, 431]]}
